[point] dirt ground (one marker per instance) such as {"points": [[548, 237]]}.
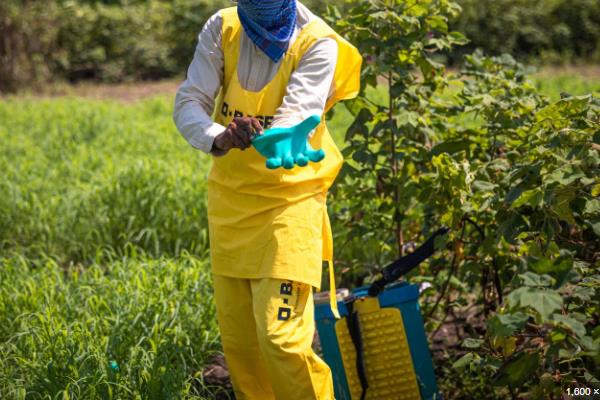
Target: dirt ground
{"points": [[125, 92], [585, 71]]}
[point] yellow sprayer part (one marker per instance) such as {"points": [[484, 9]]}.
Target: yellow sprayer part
{"points": [[388, 363]]}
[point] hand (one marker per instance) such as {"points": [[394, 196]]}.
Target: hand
{"points": [[238, 134]]}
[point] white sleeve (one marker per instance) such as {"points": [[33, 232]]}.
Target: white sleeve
{"points": [[195, 99], [310, 84]]}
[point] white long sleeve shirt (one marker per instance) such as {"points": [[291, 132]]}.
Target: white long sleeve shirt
{"points": [[307, 91]]}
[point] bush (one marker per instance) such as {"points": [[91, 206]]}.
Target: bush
{"points": [[149, 39], [105, 41], [27, 41], [514, 177], [542, 31]]}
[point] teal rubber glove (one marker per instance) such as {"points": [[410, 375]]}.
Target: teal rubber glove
{"points": [[286, 147]]}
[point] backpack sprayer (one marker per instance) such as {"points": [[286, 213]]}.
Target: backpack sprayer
{"points": [[378, 349]]}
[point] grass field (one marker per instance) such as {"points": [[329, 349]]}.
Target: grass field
{"points": [[104, 284]]}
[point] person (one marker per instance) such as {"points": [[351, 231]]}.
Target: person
{"points": [[261, 64]]}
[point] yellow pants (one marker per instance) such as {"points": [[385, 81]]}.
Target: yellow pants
{"points": [[267, 327]]}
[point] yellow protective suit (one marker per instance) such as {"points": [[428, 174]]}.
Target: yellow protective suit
{"points": [[269, 229]]}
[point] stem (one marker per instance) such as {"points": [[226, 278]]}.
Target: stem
{"points": [[397, 214], [496, 277], [513, 394], [444, 288], [484, 283], [447, 282], [497, 283], [432, 336]]}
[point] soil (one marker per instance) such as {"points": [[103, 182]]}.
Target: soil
{"points": [[216, 379], [124, 92]]}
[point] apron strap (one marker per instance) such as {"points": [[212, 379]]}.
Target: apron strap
{"points": [[328, 259]]}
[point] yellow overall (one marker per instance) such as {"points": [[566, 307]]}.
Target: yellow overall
{"points": [[270, 233]]}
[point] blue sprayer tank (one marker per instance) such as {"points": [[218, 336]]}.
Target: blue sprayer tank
{"points": [[396, 355]]}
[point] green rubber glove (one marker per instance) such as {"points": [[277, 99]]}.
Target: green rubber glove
{"points": [[289, 146]]}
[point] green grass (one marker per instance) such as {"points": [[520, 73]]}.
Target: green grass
{"points": [[117, 331], [553, 84], [81, 177], [103, 241], [101, 204]]}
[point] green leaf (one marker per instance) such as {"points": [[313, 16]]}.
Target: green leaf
{"points": [[358, 126], [512, 226], [546, 265], [514, 193], [464, 361], [564, 176], [562, 206], [535, 280], [596, 228], [458, 38], [517, 370], [531, 197], [438, 23], [505, 324], [471, 343], [544, 301], [483, 186], [407, 118], [592, 207], [451, 147], [577, 327]]}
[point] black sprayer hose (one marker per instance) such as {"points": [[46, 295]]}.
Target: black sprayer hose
{"points": [[404, 264]]}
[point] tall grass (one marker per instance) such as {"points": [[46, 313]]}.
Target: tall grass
{"points": [[79, 178], [103, 236], [128, 329]]}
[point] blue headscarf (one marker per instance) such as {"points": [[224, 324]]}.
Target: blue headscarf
{"points": [[269, 24]]}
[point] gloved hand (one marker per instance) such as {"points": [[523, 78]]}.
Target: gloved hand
{"points": [[238, 134], [289, 146]]}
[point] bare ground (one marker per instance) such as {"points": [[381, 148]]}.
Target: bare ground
{"points": [[585, 71], [125, 92]]}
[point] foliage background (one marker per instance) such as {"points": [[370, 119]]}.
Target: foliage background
{"points": [[102, 40], [512, 296], [118, 40]]}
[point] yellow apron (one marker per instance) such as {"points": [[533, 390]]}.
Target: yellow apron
{"points": [[273, 223]]}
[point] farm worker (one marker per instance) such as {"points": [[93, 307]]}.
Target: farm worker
{"points": [[274, 63]]}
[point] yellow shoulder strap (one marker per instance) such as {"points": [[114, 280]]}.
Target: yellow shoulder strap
{"points": [[230, 34], [347, 72], [328, 259]]}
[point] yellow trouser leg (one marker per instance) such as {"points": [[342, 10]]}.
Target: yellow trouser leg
{"points": [[284, 315], [233, 298]]}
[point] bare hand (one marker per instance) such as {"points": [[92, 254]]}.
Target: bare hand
{"points": [[238, 134]]}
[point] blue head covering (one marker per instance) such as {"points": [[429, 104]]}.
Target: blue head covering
{"points": [[269, 24]]}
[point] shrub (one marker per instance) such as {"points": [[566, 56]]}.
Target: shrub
{"points": [[543, 31], [515, 178], [105, 41]]}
